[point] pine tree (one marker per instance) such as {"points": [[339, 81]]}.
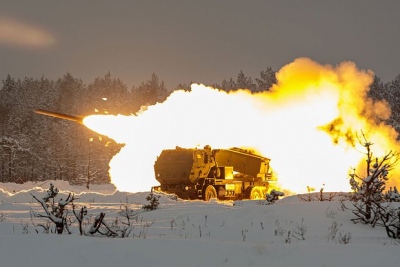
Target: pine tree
{"points": [[243, 82], [393, 98], [183, 86], [266, 80], [377, 89], [369, 189], [150, 92], [228, 85]]}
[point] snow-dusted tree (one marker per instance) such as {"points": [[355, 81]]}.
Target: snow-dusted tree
{"points": [[369, 189], [108, 95], [153, 202], [243, 82], [390, 218], [390, 93], [183, 86], [55, 212], [390, 213], [150, 92], [392, 195], [377, 90], [392, 90], [8, 95], [228, 85], [266, 80], [15, 158]]}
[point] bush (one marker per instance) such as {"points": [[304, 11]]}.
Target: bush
{"points": [[153, 202]]}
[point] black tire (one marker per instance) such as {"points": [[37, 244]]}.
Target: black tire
{"points": [[209, 192], [256, 193]]}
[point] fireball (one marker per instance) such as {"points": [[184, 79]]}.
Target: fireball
{"points": [[307, 123]]}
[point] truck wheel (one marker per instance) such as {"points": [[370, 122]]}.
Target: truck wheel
{"points": [[209, 193], [256, 193]]}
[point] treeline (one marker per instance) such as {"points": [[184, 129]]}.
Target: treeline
{"points": [[35, 147]]}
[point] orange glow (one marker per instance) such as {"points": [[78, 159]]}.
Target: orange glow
{"points": [[17, 33], [307, 124]]}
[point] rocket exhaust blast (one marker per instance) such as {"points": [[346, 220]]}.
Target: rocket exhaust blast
{"points": [[63, 116]]}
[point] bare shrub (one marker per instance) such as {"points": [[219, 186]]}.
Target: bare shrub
{"points": [[391, 221], [344, 238], [25, 228], [80, 216], [2, 217], [333, 231], [273, 196], [330, 213], [56, 213], [300, 230], [279, 231]]}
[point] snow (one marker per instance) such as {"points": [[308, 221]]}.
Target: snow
{"points": [[189, 233]]}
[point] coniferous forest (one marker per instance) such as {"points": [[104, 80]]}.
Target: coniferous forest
{"points": [[37, 148]]}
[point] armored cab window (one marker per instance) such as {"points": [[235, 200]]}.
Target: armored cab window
{"points": [[205, 158], [198, 156]]}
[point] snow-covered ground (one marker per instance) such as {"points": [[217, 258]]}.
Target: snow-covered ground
{"points": [[191, 233]]}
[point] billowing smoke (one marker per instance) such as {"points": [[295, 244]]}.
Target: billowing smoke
{"points": [[308, 124]]}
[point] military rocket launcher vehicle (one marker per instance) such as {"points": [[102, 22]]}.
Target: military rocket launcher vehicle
{"points": [[213, 173], [206, 173]]}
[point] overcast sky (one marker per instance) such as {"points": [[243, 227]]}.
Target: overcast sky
{"points": [[201, 41]]}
